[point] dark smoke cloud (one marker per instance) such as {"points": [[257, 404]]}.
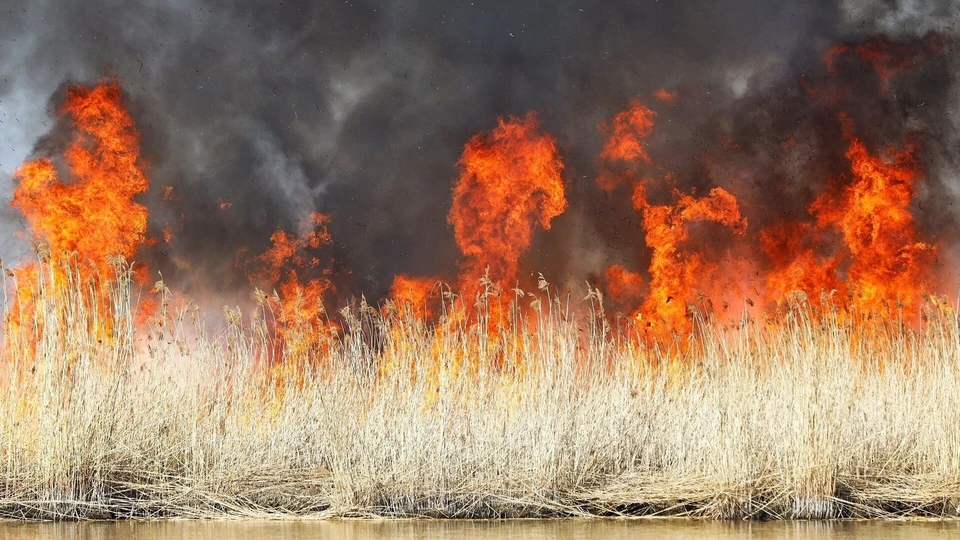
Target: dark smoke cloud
{"points": [[361, 109]]}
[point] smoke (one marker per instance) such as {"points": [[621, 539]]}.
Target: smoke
{"points": [[360, 110], [898, 19]]}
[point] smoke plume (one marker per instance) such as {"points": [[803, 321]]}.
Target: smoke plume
{"points": [[254, 115]]}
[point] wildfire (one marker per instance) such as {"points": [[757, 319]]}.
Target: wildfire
{"points": [[415, 295], [666, 96], [885, 57], [509, 183], [299, 305], [880, 262], [92, 213], [626, 133], [80, 206], [674, 271], [872, 212], [857, 242], [799, 265], [623, 286]]}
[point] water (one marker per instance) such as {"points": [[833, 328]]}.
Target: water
{"points": [[480, 530]]}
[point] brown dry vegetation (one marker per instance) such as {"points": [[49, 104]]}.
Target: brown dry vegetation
{"points": [[801, 415]]}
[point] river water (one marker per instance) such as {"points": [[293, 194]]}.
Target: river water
{"points": [[481, 530]]}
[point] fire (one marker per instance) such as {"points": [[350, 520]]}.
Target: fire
{"points": [[301, 326], [93, 212], [881, 261], [674, 271], [622, 285], [509, 184], [288, 250], [626, 133], [80, 206], [795, 249], [858, 241], [415, 295], [886, 58], [666, 96], [609, 181], [873, 214]]}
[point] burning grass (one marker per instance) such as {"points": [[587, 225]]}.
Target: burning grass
{"points": [[546, 411]]}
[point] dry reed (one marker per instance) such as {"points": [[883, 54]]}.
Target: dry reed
{"points": [[798, 416]]}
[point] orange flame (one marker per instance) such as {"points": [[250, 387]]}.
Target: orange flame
{"points": [[94, 214], [609, 181], [881, 259], [89, 214], [887, 58], [794, 248], [509, 183], [666, 96], [415, 295], [859, 240], [623, 286], [299, 306], [674, 272], [873, 215], [626, 133]]}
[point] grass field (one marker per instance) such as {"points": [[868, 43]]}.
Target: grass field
{"points": [[804, 414]]}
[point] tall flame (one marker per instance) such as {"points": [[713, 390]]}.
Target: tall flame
{"points": [[881, 263], [674, 271], [873, 213], [509, 183], [80, 206], [799, 263], [858, 239], [92, 213]]}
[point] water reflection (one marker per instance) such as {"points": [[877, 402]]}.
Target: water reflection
{"points": [[507, 530]]}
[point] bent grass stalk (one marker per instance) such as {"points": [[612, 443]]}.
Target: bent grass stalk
{"points": [[804, 415]]}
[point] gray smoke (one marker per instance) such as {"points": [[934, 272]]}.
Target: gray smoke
{"points": [[361, 109]]}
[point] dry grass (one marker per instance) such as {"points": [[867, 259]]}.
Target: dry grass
{"points": [[800, 416]]}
